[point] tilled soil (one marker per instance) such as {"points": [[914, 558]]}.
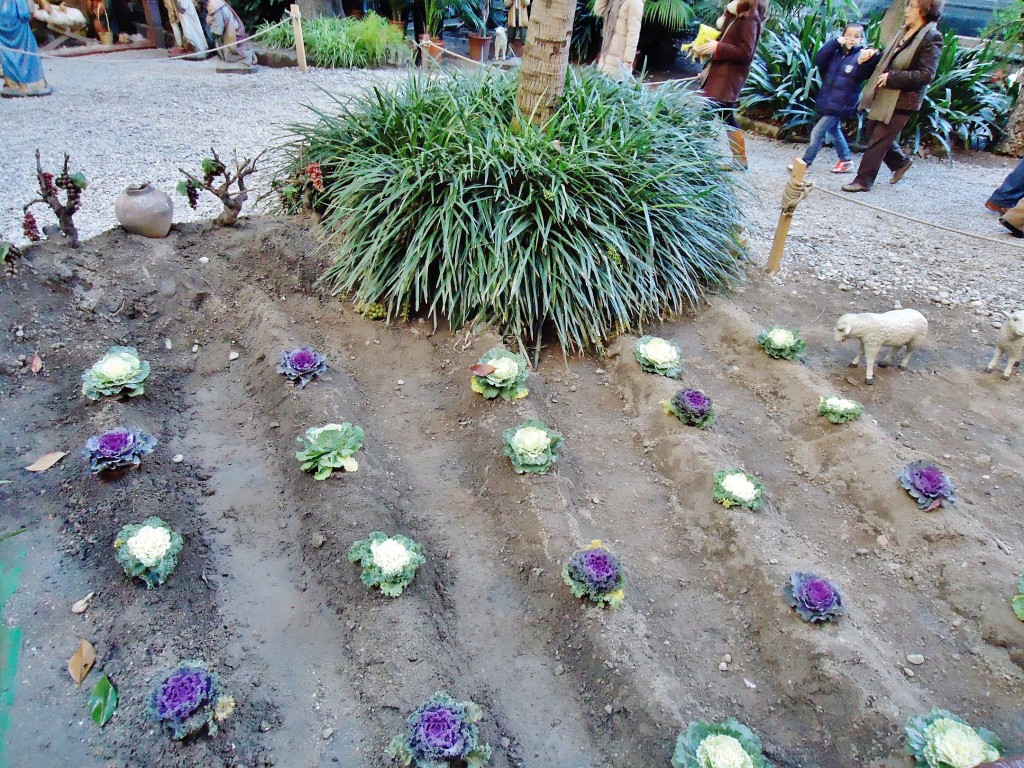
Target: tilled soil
{"points": [[325, 670]]}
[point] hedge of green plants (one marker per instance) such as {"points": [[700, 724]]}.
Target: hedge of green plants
{"points": [[365, 43]]}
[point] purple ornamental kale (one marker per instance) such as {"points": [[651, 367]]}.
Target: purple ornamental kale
{"points": [[181, 693], [927, 484], [302, 365], [693, 401], [815, 598], [438, 730], [119, 447], [597, 568]]}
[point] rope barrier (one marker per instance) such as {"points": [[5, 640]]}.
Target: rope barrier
{"points": [[259, 33]]}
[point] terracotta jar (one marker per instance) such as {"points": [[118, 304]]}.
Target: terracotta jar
{"points": [[145, 210]]}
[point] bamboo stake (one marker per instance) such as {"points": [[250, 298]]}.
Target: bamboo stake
{"points": [[300, 44], [796, 178]]}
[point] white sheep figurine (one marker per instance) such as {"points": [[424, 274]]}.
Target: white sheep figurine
{"points": [[1009, 343], [888, 329]]}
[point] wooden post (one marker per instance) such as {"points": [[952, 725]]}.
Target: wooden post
{"points": [[300, 44], [785, 219]]}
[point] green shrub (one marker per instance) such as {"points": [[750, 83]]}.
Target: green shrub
{"points": [[367, 43], [962, 105], [616, 211]]}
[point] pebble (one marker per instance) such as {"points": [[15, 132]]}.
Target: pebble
{"points": [[204, 260], [168, 344], [195, 348], [915, 658], [908, 671], [400, 383], [882, 540], [178, 458], [727, 658], [608, 708], [723, 667], [233, 356], [327, 733]]}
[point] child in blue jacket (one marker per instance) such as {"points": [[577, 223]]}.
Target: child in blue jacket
{"points": [[844, 66]]}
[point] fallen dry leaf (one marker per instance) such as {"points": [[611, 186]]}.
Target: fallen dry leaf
{"points": [[82, 605], [36, 363], [46, 461], [483, 369], [80, 664]]}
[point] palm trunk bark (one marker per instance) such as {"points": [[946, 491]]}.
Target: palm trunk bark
{"points": [[546, 59], [1012, 142]]}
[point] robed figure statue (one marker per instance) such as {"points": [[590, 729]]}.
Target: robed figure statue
{"points": [[23, 70]]}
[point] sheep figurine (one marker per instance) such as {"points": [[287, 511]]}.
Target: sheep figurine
{"points": [[500, 44], [1009, 343], [888, 329]]}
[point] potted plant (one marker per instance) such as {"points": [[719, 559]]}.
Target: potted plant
{"points": [[396, 14], [475, 13], [434, 12]]}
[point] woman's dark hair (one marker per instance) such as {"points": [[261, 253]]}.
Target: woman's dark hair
{"points": [[931, 10]]}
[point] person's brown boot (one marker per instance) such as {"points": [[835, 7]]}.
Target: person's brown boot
{"points": [[898, 173], [738, 145]]}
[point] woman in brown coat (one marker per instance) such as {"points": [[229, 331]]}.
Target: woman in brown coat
{"points": [[896, 90], [727, 69]]}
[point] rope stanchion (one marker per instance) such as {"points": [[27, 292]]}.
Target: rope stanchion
{"points": [[192, 55], [300, 42], [796, 191]]}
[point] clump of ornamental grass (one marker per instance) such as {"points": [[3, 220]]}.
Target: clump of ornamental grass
{"points": [[330, 447], [190, 699], [657, 355], [814, 597], [440, 733], [119, 372], [500, 373], [782, 343], [148, 550], [940, 739], [388, 562], [531, 447], [736, 488], [839, 410], [369, 42], [437, 193], [302, 365], [928, 485], [692, 407], [729, 744], [117, 448], [596, 574]]}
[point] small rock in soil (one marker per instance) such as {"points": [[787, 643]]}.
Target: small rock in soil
{"points": [[204, 259], [178, 458], [327, 733], [233, 356], [915, 658]]}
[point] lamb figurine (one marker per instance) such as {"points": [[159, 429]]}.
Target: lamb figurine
{"points": [[889, 329], [1009, 343], [500, 44]]}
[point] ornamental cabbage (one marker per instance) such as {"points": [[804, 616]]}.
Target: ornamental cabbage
{"points": [[928, 485], [118, 372], [1018, 600], [190, 699], [815, 598], [657, 355], [532, 447], [302, 365], [940, 739], [330, 447], [735, 488], [782, 343], [728, 744], [442, 732], [596, 574], [500, 373], [119, 447], [839, 410], [692, 407], [388, 562], [148, 551]]}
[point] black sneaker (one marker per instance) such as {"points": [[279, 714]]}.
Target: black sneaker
{"points": [[1013, 230]]}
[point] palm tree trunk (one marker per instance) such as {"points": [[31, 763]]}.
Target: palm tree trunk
{"points": [[1012, 142], [546, 59]]}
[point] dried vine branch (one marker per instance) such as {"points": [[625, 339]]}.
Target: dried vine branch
{"points": [[73, 184], [214, 169]]}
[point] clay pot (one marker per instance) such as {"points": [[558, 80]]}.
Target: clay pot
{"points": [[145, 210], [479, 47]]}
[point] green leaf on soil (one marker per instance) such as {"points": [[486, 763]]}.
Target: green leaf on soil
{"points": [[1018, 606], [11, 534], [103, 701]]}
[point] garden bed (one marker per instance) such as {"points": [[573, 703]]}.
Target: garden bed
{"points": [[325, 670]]}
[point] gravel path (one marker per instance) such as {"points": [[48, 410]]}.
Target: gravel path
{"points": [[141, 119]]}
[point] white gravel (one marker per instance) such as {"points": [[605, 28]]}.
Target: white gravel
{"points": [[140, 119]]}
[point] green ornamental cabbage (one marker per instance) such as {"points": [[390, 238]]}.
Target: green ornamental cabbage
{"points": [[501, 373], [782, 343], [532, 447], [118, 372], [330, 447], [388, 562], [839, 410], [729, 744], [940, 739]]}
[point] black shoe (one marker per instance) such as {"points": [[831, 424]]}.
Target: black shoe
{"points": [[898, 173], [1013, 230]]}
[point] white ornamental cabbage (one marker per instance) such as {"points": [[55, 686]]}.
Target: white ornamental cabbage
{"points": [[505, 370], [782, 337], [721, 751], [531, 441], [390, 555], [957, 745], [739, 486], [661, 353], [840, 404], [116, 366], [149, 545]]}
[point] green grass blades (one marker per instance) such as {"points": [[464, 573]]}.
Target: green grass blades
{"points": [[366, 43], [103, 701], [614, 213]]}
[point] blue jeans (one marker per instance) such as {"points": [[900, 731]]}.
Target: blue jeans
{"points": [[1011, 190], [827, 124]]}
